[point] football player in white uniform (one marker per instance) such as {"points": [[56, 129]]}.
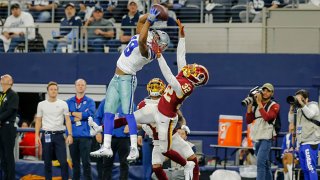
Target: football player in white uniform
{"points": [[122, 86]]}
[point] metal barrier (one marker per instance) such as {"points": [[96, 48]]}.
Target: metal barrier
{"points": [[201, 38]]}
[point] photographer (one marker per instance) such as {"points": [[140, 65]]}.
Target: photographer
{"points": [[262, 112], [308, 131]]}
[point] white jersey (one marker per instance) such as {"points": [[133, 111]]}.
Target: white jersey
{"points": [[19, 24], [131, 61], [52, 114]]}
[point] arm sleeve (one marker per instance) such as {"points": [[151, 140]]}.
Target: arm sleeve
{"points": [[72, 119], [89, 110], [290, 117], [310, 111], [181, 54], [249, 118], [6, 27], [29, 22], [12, 107], [5, 114], [98, 117], [271, 114], [170, 78], [66, 109]]}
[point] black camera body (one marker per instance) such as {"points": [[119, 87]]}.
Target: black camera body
{"points": [[250, 99]]}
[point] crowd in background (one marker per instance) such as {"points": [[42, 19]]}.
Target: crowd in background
{"points": [[93, 22]]}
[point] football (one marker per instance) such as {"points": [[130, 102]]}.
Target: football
{"points": [[163, 16]]}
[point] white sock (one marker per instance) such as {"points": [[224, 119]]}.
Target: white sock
{"points": [[289, 166], [133, 139], [286, 176], [107, 140]]}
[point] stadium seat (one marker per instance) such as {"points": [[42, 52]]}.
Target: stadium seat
{"points": [[220, 12], [190, 13], [236, 9]]}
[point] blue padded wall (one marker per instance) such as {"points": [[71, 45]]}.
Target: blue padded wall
{"points": [[231, 77]]}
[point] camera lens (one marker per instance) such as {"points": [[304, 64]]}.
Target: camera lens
{"points": [[247, 101], [291, 99]]}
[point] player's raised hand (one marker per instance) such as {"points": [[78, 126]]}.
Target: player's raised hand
{"points": [[153, 15], [181, 28], [156, 49]]}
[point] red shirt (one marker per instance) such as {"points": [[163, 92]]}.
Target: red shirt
{"points": [[28, 140], [169, 102], [267, 116], [78, 100]]}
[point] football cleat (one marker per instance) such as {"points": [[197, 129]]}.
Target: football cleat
{"points": [[188, 170], [134, 154], [103, 151]]}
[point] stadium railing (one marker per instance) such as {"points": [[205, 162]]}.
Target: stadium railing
{"points": [[201, 38]]}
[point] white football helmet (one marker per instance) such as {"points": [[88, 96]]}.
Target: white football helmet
{"points": [[160, 37]]}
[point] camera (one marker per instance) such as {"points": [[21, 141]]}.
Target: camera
{"points": [[293, 101], [250, 99]]}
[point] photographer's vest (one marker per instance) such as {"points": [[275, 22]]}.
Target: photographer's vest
{"points": [[262, 129], [309, 132]]}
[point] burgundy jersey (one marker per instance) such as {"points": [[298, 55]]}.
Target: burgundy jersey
{"points": [[169, 102]]}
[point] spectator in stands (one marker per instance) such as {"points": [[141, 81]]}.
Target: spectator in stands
{"points": [[255, 8], [307, 129], [129, 19], [51, 115], [67, 36], [18, 27], [4, 7], [9, 103], [102, 30], [86, 9], [28, 149], [172, 4], [23, 124], [288, 153], [81, 107], [41, 9], [263, 112], [110, 7], [120, 143]]}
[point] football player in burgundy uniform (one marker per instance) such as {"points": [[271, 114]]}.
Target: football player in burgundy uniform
{"points": [[178, 89], [155, 90]]}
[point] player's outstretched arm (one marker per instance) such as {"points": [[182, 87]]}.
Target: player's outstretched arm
{"points": [[170, 78], [152, 17], [143, 40], [141, 21], [181, 49]]}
